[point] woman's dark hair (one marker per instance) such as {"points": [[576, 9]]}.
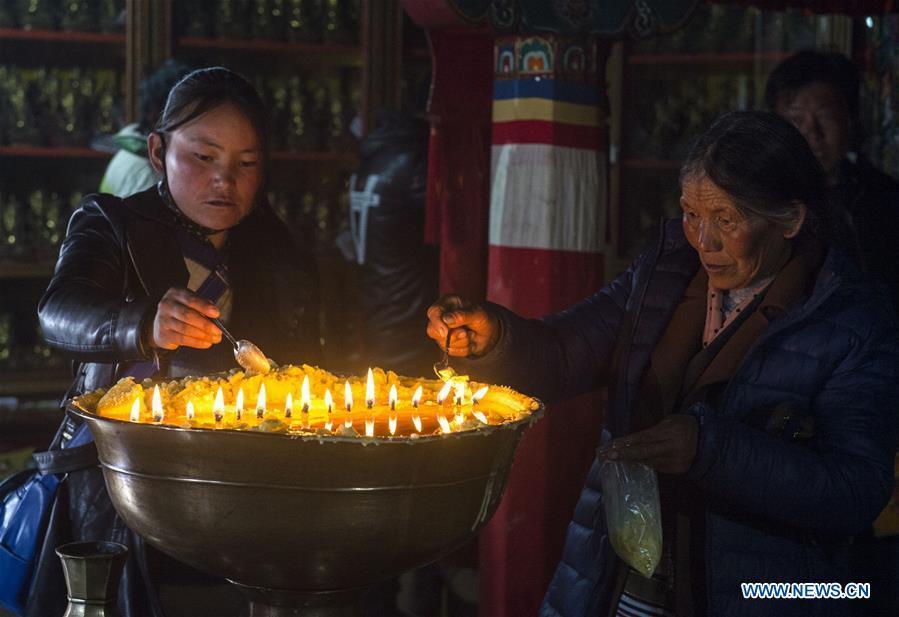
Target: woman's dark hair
{"points": [[765, 165], [154, 91], [205, 89]]}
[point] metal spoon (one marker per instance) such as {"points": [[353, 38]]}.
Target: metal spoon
{"points": [[442, 368], [248, 355]]}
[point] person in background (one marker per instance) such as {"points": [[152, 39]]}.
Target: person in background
{"points": [[130, 170], [138, 281], [398, 270], [819, 93], [750, 363]]}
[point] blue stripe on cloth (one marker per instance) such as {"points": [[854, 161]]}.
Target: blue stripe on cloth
{"points": [[215, 285], [584, 93], [624, 612], [644, 607]]}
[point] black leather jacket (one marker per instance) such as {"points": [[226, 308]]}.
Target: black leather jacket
{"points": [[866, 220], [119, 258]]}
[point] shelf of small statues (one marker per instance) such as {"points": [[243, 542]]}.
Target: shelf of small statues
{"points": [[33, 382], [340, 53], [12, 269], [324, 156], [75, 152], [53, 152], [61, 36], [707, 58]]}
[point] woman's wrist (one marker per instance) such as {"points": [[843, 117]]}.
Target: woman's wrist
{"points": [[496, 333], [148, 345]]}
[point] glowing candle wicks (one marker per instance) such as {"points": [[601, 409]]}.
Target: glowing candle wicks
{"points": [[444, 424], [416, 400], [444, 392], [329, 406], [305, 396], [459, 394], [158, 413], [348, 403], [260, 401], [392, 399], [370, 390], [218, 406]]}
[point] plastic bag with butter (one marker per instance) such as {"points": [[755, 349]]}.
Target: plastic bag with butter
{"points": [[633, 513]]}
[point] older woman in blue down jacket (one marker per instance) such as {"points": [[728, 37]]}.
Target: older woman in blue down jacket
{"points": [[750, 364]]}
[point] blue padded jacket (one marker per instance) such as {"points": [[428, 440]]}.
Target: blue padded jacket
{"points": [[777, 511]]}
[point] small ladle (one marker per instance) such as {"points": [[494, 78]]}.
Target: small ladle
{"points": [[442, 368], [248, 355]]}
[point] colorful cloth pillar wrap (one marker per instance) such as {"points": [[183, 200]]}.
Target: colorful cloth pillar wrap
{"points": [[548, 191]]}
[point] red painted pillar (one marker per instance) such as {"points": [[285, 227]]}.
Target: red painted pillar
{"points": [[540, 176], [547, 226], [459, 158]]}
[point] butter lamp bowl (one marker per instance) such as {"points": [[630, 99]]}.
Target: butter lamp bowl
{"points": [[303, 521]]}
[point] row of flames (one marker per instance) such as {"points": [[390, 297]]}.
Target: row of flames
{"points": [[218, 407]]}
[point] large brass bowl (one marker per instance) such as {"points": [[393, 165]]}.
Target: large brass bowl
{"points": [[303, 513]]}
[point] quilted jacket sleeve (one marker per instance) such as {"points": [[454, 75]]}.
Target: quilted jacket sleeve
{"points": [[561, 355], [84, 310], [840, 483]]}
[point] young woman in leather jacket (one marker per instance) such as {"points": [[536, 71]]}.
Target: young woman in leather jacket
{"points": [[139, 278]]}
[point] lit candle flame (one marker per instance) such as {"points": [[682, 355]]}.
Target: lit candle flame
{"points": [[477, 396], [218, 407], [370, 390], [288, 406], [238, 404], [329, 406], [444, 424], [135, 410], [459, 393], [305, 397], [260, 401], [444, 392], [370, 427], [480, 416], [392, 397], [158, 414], [416, 400], [348, 402], [190, 410]]}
